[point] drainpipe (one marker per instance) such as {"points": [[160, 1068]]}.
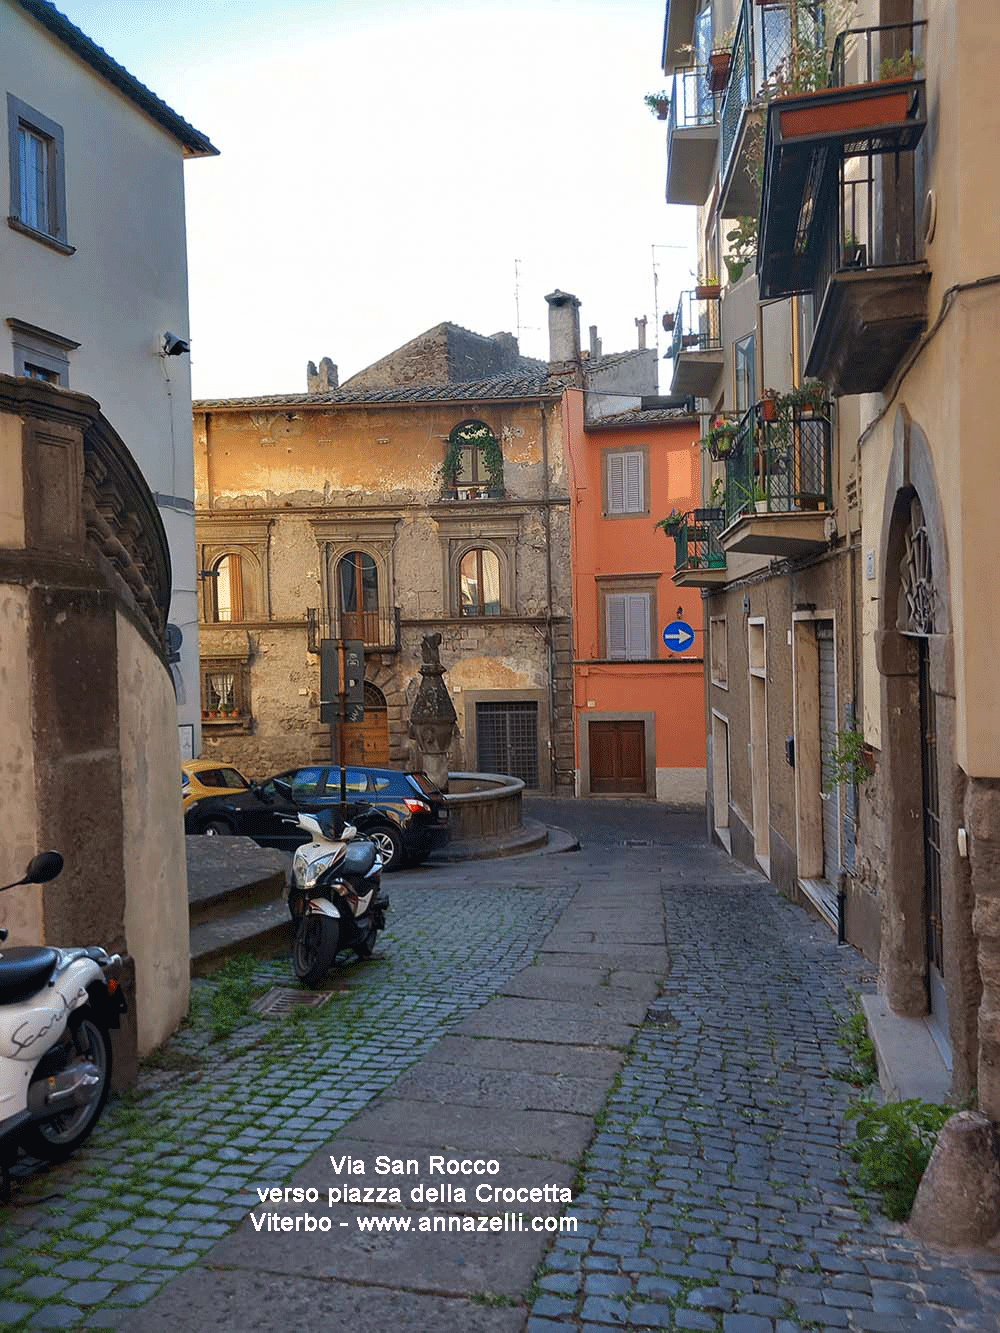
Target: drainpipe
{"points": [[547, 519]]}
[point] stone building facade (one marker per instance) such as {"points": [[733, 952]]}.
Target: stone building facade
{"points": [[325, 515], [852, 719]]}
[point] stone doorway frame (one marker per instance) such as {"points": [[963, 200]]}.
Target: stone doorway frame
{"points": [[904, 925]]}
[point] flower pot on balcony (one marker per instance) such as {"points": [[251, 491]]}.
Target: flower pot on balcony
{"points": [[668, 323], [769, 409], [718, 70], [690, 339], [708, 291], [845, 113], [712, 515]]}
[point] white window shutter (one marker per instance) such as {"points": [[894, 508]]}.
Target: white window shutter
{"points": [[616, 483], [638, 626], [633, 484], [616, 626]]}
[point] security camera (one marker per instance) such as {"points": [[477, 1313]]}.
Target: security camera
{"points": [[174, 346]]}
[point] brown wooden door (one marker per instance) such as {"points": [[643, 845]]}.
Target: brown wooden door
{"points": [[368, 742], [618, 757]]}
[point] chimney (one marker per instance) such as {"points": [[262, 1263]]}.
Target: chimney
{"points": [[323, 380], [595, 344], [564, 334], [640, 324]]}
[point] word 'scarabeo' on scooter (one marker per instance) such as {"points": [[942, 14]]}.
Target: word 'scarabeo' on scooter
{"points": [[57, 1007], [335, 892]]}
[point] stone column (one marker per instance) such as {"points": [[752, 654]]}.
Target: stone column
{"points": [[432, 720], [982, 821]]}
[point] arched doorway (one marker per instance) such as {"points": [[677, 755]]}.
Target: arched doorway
{"points": [[367, 742]]}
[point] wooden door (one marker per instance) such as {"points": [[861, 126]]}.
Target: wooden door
{"points": [[367, 742], [618, 757]]}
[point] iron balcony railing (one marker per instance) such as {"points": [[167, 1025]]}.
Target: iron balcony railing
{"points": [[878, 54], [772, 43], [696, 541], [378, 630], [697, 324], [692, 103], [780, 464]]}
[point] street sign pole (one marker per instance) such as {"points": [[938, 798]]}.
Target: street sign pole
{"points": [[342, 695]]}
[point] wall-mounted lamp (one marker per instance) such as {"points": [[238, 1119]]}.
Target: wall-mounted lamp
{"points": [[174, 346]]}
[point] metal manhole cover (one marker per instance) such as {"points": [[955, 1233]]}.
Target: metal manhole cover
{"points": [[282, 1000], [636, 842]]}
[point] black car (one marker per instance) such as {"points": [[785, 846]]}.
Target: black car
{"points": [[415, 811]]}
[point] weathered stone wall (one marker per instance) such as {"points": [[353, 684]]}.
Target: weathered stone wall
{"points": [[445, 354], [342, 478]]}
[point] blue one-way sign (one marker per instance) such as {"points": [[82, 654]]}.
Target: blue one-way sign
{"points": [[678, 636]]}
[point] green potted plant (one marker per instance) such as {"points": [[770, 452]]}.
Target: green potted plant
{"points": [[672, 524], [720, 442], [852, 252], [707, 288], [904, 66], [769, 402], [659, 104], [743, 247]]}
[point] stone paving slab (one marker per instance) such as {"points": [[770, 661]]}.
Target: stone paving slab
{"points": [[435, 1261], [432, 1081], [650, 958], [515, 1171], [551, 1021], [485, 1131], [531, 1057], [591, 986], [247, 1302]]}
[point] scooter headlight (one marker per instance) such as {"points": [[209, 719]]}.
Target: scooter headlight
{"points": [[313, 869]]}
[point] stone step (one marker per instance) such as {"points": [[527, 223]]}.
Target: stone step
{"points": [[263, 929], [228, 875]]}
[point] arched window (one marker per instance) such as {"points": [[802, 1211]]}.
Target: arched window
{"points": [[479, 583], [232, 598], [474, 461], [357, 592]]}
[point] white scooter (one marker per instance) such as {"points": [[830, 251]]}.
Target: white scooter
{"points": [[56, 1007], [334, 894]]}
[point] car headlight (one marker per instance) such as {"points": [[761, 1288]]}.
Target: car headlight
{"points": [[311, 870]]}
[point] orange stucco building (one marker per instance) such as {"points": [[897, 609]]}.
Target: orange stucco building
{"points": [[638, 705]]}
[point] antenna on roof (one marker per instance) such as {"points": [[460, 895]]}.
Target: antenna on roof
{"points": [[517, 299]]}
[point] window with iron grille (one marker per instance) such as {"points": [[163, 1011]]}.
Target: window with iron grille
{"points": [[507, 739], [225, 688]]}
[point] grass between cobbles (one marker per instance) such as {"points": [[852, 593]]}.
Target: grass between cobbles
{"points": [[235, 1100]]}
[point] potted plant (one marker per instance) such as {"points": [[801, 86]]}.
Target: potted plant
{"points": [[769, 404], [708, 288], [904, 66], [720, 441], [809, 397], [717, 72], [743, 247], [690, 339], [852, 252], [668, 323], [672, 524], [659, 104]]}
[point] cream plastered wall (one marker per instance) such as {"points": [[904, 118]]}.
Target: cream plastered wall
{"points": [[20, 909], [948, 389], [125, 286], [156, 906]]}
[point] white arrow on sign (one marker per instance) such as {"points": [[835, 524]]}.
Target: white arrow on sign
{"points": [[678, 636]]}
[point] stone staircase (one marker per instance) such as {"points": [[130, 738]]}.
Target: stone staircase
{"points": [[235, 902]]}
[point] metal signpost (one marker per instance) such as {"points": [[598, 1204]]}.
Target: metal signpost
{"points": [[342, 695]]}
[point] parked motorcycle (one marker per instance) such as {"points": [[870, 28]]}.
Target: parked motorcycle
{"points": [[56, 1009], [335, 892]]}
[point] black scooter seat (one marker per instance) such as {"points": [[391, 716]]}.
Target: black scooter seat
{"points": [[24, 970]]}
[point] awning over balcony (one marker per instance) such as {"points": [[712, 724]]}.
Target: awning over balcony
{"points": [[807, 137]]}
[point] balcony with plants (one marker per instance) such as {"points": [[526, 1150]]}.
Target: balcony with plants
{"points": [[692, 137], [778, 491], [773, 45], [699, 560], [839, 216], [696, 347]]}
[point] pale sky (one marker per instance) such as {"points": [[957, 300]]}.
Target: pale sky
{"points": [[385, 162]]}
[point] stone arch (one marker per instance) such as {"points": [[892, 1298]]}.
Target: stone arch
{"points": [[911, 492]]}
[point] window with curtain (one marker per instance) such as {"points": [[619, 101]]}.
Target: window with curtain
{"points": [[479, 583], [233, 596], [357, 592]]}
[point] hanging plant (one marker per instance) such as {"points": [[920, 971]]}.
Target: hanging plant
{"points": [[474, 434], [852, 762]]}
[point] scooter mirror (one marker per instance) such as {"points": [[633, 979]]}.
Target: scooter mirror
{"points": [[42, 868], [349, 832]]}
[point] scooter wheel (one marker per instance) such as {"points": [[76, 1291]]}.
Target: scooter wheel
{"points": [[56, 1138], [317, 938]]}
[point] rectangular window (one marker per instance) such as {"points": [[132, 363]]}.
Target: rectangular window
{"points": [[225, 690], [745, 357], [625, 482], [719, 650], [40, 354], [37, 174], [627, 622]]}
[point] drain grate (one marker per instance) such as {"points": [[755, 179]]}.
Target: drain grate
{"points": [[282, 1000], [637, 842]]}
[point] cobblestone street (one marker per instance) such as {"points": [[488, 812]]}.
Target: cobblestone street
{"points": [[642, 1020]]}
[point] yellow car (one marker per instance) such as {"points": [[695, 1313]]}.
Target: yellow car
{"points": [[208, 777]]}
